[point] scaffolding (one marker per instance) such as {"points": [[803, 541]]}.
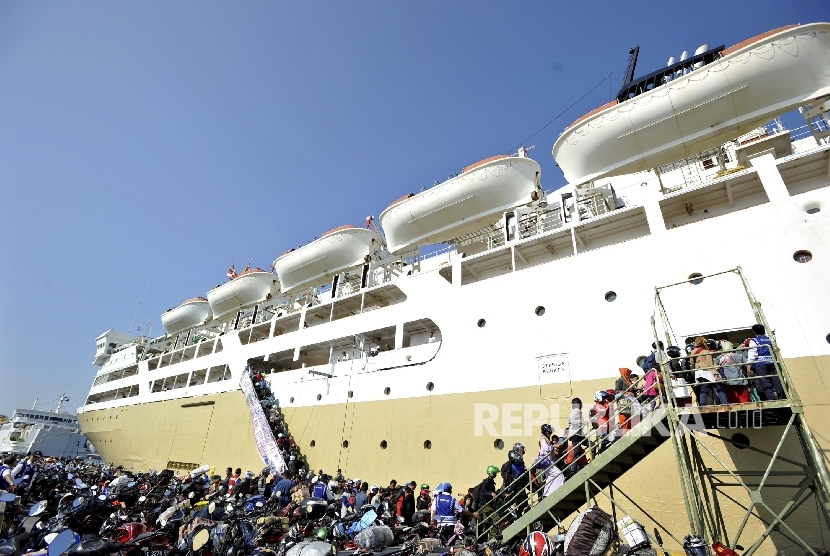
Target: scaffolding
{"points": [[768, 488]]}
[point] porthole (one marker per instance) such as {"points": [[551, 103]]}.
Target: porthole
{"points": [[387, 390], [313, 443], [740, 441], [383, 444], [319, 397], [430, 385], [351, 393], [610, 296], [696, 278], [813, 210], [827, 338], [481, 323], [498, 444], [802, 256], [427, 444], [291, 399], [539, 311], [345, 443]]}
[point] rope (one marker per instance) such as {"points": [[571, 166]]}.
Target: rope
{"points": [[566, 109]]}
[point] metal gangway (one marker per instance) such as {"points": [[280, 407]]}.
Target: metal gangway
{"points": [[773, 486]]}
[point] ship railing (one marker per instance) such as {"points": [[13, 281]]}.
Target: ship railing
{"points": [[528, 488]]}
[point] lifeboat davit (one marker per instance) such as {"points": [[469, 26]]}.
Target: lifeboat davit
{"points": [[249, 288], [334, 252], [463, 204], [752, 83], [190, 313]]}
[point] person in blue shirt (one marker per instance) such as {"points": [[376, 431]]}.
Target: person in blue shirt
{"points": [[322, 490], [445, 510], [283, 486], [760, 356], [362, 496]]}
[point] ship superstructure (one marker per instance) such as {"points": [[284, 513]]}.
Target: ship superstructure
{"points": [[389, 358]]}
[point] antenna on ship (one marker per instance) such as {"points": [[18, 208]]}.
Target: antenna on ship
{"points": [[139, 306], [34, 404], [60, 403]]}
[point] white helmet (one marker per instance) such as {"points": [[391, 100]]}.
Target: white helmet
{"points": [[598, 395]]}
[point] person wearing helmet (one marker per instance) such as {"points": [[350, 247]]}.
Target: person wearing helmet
{"points": [[515, 477], [485, 492], [545, 461], [323, 490], [424, 500], [445, 510]]}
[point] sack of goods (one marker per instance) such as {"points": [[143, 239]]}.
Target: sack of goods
{"points": [[590, 533], [298, 494], [374, 538], [632, 533], [310, 548], [313, 508]]}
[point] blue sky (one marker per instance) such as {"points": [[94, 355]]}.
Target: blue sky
{"points": [[158, 141]]}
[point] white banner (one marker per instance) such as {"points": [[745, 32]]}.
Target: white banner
{"points": [[265, 444]]}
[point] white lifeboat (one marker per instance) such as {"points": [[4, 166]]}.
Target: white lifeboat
{"points": [[463, 204], [249, 288], [187, 315], [752, 83], [334, 252]]}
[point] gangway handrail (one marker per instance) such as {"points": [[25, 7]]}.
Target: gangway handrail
{"points": [[517, 488]]}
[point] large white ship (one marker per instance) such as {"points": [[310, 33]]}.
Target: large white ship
{"points": [[449, 351]]}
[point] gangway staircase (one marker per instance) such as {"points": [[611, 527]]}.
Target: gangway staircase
{"points": [[621, 456], [706, 478]]}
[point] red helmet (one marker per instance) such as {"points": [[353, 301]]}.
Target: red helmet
{"points": [[537, 544]]}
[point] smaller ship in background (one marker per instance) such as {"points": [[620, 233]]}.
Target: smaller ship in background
{"points": [[54, 433]]}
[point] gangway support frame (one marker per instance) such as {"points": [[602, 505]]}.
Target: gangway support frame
{"points": [[705, 477], [702, 486]]}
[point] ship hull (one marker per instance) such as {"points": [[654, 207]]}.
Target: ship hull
{"points": [[219, 434]]}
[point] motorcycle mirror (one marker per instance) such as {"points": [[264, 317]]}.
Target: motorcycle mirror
{"points": [[167, 493], [7, 497], [37, 509], [61, 543], [200, 539], [211, 507], [93, 487], [142, 498], [191, 495], [69, 476], [131, 484], [739, 547], [102, 497], [78, 482]]}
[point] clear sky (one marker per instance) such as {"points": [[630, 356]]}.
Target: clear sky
{"points": [[155, 142]]}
